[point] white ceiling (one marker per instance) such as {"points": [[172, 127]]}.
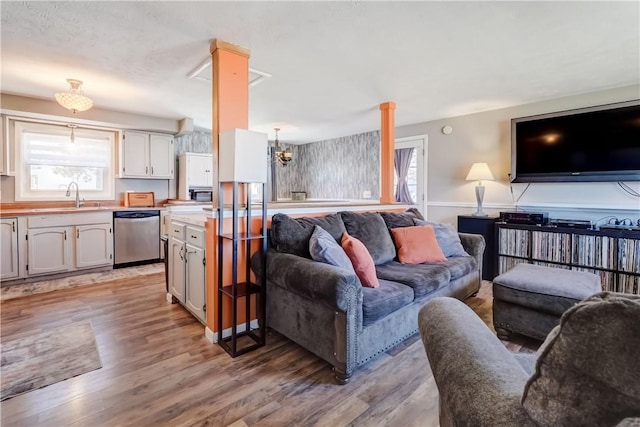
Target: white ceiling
{"points": [[332, 63]]}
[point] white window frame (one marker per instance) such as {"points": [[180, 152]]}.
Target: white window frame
{"points": [[22, 177], [420, 143]]}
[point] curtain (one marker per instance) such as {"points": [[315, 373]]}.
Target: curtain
{"points": [[402, 163]]}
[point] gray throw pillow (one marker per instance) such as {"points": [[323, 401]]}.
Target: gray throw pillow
{"points": [[447, 237], [324, 248], [291, 235], [370, 229], [587, 369]]}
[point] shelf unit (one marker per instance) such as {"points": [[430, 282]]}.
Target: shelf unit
{"points": [[485, 226], [612, 254], [246, 289]]}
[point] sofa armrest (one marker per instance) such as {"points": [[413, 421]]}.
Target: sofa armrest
{"points": [[328, 284], [474, 245], [480, 382]]}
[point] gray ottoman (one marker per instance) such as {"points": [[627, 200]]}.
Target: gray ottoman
{"points": [[529, 299]]}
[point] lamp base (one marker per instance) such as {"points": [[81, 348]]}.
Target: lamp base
{"points": [[479, 197]]}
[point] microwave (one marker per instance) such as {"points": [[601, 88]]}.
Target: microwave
{"points": [[200, 195]]}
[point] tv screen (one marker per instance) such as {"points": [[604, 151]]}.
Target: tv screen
{"points": [[590, 144]]}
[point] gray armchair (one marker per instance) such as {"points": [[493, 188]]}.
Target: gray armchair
{"points": [[585, 374]]}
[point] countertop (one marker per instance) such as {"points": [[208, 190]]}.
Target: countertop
{"points": [[4, 212], [202, 212]]}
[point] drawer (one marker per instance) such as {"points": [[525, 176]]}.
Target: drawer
{"points": [[195, 236], [177, 230]]}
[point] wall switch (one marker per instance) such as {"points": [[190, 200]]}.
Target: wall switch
{"points": [[366, 194]]}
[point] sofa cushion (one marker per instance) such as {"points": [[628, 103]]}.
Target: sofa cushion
{"points": [[587, 368], [398, 219], [447, 237], [416, 245], [370, 229], [460, 266], [423, 278], [324, 248], [361, 261], [291, 235], [389, 297]]}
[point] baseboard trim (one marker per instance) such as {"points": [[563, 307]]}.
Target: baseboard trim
{"points": [[212, 336]]}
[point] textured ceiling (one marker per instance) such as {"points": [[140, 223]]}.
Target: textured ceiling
{"points": [[332, 63]]}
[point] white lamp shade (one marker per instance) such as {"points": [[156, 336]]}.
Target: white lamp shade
{"points": [[242, 156], [480, 172]]}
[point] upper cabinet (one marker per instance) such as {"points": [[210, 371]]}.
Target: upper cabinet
{"points": [[194, 170], [146, 155]]}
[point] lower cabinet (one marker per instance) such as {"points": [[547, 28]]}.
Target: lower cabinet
{"points": [[49, 250], [187, 270], [9, 248], [94, 245], [177, 269], [60, 243]]}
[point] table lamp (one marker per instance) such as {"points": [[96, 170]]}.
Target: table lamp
{"points": [[479, 172]]}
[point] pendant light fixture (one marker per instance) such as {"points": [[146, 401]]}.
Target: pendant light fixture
{"points": [[74, 100], [283, 156]]}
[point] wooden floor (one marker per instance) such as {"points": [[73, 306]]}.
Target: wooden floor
{"points": [[158, 369]]}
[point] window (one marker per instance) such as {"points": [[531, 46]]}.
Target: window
{"points": [[47, 161]]}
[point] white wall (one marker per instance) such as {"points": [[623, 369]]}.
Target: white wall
{"points": [[486, 137], [21, 106]]}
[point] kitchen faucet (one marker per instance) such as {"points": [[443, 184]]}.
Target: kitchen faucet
{"points": [[78, 202]]}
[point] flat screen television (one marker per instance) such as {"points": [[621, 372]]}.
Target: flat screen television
{"points": [[589, 144]]}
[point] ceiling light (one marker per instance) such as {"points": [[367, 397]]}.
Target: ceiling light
{"points": [[74, 100], [283, 156]]}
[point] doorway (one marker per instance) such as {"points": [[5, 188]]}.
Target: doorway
{"points": [[411, 157]]}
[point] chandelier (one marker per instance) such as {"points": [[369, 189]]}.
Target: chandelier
{"points": [[283, 156], [74, 100]]}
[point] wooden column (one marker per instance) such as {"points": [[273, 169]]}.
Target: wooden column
{"points": [[230, 68], [387, 138]]}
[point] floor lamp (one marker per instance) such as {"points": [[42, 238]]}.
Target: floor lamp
{"points": [[480, 172]]}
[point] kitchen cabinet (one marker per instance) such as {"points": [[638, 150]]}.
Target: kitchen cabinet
{"points": [[61, 243], [49, 250], [187, 271], [93, 245], [195, 170], [3, 147], [146, 155], [9, 245]]}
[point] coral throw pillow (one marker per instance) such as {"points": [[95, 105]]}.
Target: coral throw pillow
{"points": [[361, 260], [416, 245]]}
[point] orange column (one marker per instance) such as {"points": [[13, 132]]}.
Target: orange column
{"points": [[230, 67], [387, 138]]}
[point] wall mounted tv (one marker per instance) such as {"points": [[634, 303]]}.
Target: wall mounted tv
{"points": [[589, 144]]}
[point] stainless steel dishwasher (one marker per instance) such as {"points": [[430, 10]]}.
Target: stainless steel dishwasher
{"points": [[136, 237]]}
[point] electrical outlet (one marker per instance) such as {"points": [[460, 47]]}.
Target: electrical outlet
{"points": [[366, 194]]}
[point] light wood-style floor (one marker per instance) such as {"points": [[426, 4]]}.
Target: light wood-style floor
{"points": [[158, 369]]}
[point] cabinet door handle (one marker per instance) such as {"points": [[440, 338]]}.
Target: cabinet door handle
{"points": [[77, 234], [146, 169], [13, 226], [65, 234], [180, 253], [193, 237], [151, 170]]}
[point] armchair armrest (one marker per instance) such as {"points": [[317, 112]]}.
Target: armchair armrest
{"points": [[330, 285], [474, 245], [480, 382]]}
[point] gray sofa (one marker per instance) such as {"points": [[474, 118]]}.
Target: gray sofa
{"points": [[326, 310], [584, 374]]}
